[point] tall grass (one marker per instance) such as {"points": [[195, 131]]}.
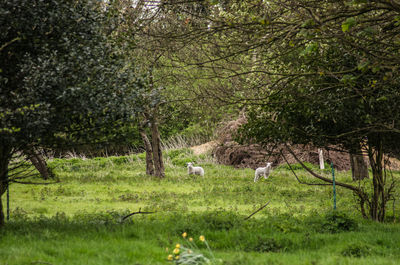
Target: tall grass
{"points": [[79, 221], [182, 141]]}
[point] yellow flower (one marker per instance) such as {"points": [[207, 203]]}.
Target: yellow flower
{"points": [[184, 235], [190, 252], [190, 239], [176, 251], [177, 257], [178, 245], [170, 257], [202, 238]]}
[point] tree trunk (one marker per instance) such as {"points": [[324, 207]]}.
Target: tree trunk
{"points": [[5, 154], [40, 163], [378, 200], [2, 217], [156, 144], [359, 169], [149, 152]]}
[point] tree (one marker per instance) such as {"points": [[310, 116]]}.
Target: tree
{"points": [[63, 82], [308, 72], [141, 21], [340, 93]]}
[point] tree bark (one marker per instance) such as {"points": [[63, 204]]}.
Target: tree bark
{"points": [[149, 152], [5, 154], [156, 144], [379, 198], [40, 163], [359, 169], [2, 217]]}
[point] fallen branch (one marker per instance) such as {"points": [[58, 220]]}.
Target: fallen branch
{"points": [[139, 212], [262, 207], [34, 183]]}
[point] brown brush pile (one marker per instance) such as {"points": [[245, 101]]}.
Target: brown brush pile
{"points": [[228, 152]]}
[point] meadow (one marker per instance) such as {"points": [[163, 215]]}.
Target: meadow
{"points": [[79, 220]]}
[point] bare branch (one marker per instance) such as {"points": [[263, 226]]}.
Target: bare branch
{"points": [[139, 212], [344, 185], [262, 207]]}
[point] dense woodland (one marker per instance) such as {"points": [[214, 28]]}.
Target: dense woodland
{"points": [[111, 77]]}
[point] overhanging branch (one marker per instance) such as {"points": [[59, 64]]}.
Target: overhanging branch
{"points": [[344, 185], [294, 173]]}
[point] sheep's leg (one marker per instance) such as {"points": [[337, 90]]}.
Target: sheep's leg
{"points": [[256, 178]]}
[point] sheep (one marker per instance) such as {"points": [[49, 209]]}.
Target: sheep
{"points": [[263, 171], [195, 170]]}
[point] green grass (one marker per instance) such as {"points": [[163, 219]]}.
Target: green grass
{"points": [[78, 221]]}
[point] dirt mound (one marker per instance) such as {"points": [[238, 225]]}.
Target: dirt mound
{"points": [[253, 156], [228, 152]]}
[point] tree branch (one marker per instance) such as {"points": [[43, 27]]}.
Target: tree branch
{"points": [[139, 212], [344, 185], [294, 173], [262, 207]]}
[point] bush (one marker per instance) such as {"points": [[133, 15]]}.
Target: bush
{"points": [[335, 222], [180, 157], [119, 160], [356, 250], [220, 220], [175, 153], [268, 245]]}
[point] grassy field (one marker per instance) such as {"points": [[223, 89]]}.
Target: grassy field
{"points": [[79, 219]]}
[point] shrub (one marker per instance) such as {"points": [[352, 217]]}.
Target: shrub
{"points": [[356, 250], [119, 160], [267, 245], [182, 162], [335, 222], [219, 220], [175, 153]]}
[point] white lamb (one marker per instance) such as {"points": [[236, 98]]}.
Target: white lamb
{"points": [[195, 170], [263, 171]]}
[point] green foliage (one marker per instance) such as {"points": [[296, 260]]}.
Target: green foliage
{"points": [[63, 81], [336, 222], [348, 24], [357, 250], [219, 220], [268, 245], [180, 157], [175, 153]]}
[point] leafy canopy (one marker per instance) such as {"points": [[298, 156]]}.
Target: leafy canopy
{"points": [[61, 76]]}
